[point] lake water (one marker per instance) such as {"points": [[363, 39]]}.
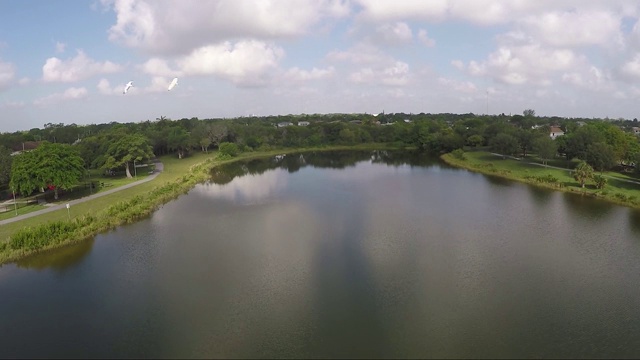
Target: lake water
{"points": [[342, 254]]}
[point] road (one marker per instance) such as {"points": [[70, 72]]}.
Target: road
{"points": [[158, 169]]}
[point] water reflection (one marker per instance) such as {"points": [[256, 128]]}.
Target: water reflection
{"points": [[58, 259], [587, 205], [634, 220], [540, 195], [319, 159]]}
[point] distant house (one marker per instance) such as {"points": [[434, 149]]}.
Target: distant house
{"points": [[284, 124], [407, 120], [555, 131], [303, 123], [636, 130], [25, 146]]}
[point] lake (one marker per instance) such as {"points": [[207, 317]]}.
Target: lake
{"points": [[340, 254]]}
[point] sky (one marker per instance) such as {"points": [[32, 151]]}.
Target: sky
{"points": [[67, 61]]}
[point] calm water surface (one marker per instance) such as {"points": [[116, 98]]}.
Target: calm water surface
{"points": [[343, 254]]}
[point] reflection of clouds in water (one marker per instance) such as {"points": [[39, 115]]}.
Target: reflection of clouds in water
{"points": [[246, 189], [367, 171]]}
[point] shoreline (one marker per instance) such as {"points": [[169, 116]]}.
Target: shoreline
{"points": [[55, 234], [608, 194]]}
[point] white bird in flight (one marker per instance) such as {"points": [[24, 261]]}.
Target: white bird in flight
{"points": [[127, 87], [174, 82]]}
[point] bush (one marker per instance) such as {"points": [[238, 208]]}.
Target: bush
{"points": [[458, 154], [600, 181], [227, 148]]}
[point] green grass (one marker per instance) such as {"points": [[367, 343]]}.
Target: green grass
{"points": [[616, 190], [22, 209]]}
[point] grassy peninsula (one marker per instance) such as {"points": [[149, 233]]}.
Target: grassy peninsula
{"points": [[621, 188]]}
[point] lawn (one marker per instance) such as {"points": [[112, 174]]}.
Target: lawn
{"points": [[173, 168], [617, 190]]}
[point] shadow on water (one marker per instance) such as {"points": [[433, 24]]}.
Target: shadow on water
{"points": [[539, 195], [58, 259], [496, 180], [634, 221], [348, 314], [586, 205]]}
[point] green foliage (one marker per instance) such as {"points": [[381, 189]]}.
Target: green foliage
{"points": [[229, 149], [58, 165], [545, 147], [600, 156], [5, 165], [458, 154], [126, 150], [600, 181], [582, 173], [548, 178], [504, 144], [475, 140]]}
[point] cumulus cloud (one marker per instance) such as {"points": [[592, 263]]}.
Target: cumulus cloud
{"points": [[60, 47], [105, 88], [394, 75], [244, 63], [466, 87], [72, 93], [177, 27], [523, 64], [591, 78], [7, 74], [393, 34], [575, 28], [297, 74], [75, 69], [425, 39]]}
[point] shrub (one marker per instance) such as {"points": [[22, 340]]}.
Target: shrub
{"points": [[600, 181], [228, 148], [458, 154]]}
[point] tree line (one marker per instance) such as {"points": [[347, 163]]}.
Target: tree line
{"points": [[65, 152]]}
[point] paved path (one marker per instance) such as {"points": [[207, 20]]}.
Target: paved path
{"points": [[559, 168], [158, 169]]}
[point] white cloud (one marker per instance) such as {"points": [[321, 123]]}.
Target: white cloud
{"points": [[244, 63], [75, 69], [632, 67], [7, 73], [394, 75], [72, 93], [529, 63], [575, 28], [24, 81], [60, 47], [425, 39], [177, 27], [156, 66], [393, 34], [591, 78], [466, 87], [297, 74], [105, 88], [377, 10]]}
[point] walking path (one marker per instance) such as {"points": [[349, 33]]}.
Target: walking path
{"points": [[158, 169], [560, 168]]}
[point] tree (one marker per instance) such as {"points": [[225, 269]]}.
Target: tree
{"points": [[546, 148], [600, 156], [504, 144], [128, 149], [583, 172], [5, 165], [50, 165], [475, 140], [529, 113], [178, 140]]}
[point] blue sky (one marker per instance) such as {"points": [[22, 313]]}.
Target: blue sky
{"points": [[67, 61]]}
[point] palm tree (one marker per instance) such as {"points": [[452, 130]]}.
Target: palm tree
{"points": [[582, 173]]}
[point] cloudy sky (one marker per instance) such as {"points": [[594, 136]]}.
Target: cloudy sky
{"points": [[68, 60]]}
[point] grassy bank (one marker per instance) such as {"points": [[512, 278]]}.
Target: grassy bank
{"points": [[618, 189], [53, 230]]}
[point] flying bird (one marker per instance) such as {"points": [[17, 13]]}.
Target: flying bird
{"points": [[127, 87], [174, 82]]}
